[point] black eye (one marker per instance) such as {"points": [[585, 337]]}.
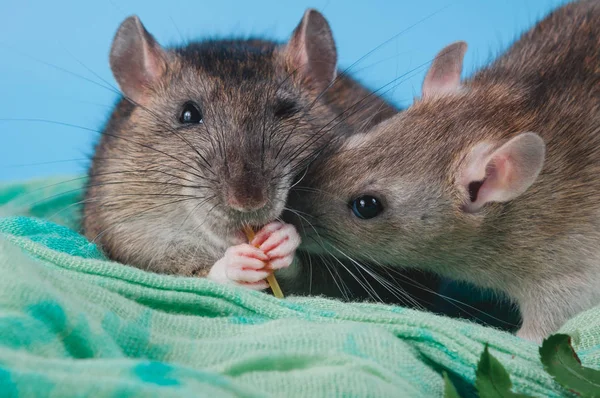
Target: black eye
{"points": [[190, 114], [285, 108], [366, 207]]}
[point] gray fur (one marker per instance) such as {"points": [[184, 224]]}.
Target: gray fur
{"points": [[160, 193]]}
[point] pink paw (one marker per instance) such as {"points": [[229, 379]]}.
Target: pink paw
{"points": [[249, 266], [242, 264], [279, 242]]}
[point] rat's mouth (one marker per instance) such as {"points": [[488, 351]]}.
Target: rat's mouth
{"points": [[246, 232], [240, 224]]}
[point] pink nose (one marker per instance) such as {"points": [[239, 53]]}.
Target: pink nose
{"points": [[247, 195], [246, 204]]}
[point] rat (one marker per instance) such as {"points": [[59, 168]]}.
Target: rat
{"points": [[493, 180], [207, 140]]}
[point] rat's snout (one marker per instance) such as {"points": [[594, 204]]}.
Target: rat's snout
{"points": [[245, 196], [246, 191]]}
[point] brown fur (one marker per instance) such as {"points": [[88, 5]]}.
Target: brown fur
{"points": [[158, 191], [540, 248]]}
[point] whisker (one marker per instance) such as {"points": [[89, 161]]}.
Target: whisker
{"points": [[371, 96], [108, 86], [102, 198], [341, 285], [454, 302], [399, 34], [138, 214], [102, 133], [363, 285], [177, 28], [193, 210], [366, 283], [34, 191]]}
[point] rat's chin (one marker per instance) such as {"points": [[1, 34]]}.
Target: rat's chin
{"points": [[238, 237]]}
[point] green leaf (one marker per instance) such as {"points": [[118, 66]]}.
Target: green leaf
{"points": [[563, 364], [492, 380], [449, 389]]}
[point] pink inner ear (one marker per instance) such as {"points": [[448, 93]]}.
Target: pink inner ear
{"points": [[444, 83], [496, 182], [136, 59], [154, 61], [504, 174], [296, 48], [444, 75], [311, 50], [487, 177]]}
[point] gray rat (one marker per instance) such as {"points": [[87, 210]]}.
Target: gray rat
{"points": [[493, 181], [207, 140]]}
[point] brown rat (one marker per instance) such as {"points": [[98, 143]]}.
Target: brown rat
{"points": [[207, 139], [493, 181]]}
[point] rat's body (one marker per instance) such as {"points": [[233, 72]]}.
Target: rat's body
{"points": [[208, 139], [458, 185]]}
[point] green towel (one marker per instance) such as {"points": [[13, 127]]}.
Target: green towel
{"points": [[74, 324]]}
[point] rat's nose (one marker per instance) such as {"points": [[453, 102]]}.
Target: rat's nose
{"points": [[246, 187], [246, 196]]}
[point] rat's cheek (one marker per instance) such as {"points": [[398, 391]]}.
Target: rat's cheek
{"points": [[238, 238]]}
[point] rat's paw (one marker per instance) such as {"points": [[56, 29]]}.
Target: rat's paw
{"points": [[281, 262], [243, 265], [279, 242]]}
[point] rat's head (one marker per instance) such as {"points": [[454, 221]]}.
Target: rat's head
{"points": [[425, 183], [228, 122]]}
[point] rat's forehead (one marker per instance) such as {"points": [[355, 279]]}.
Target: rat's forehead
{"points": [[230, 60], [391, 152]]}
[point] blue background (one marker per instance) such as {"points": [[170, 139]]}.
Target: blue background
{"points": [[45, 45]]}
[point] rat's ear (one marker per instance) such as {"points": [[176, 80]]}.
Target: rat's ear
{"points": [[502, 174], [444, 74], [136, 59], [311, 50]]}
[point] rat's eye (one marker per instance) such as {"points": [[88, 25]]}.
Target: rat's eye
{"points": [[190, 114], [285, 108], [366, 207]]}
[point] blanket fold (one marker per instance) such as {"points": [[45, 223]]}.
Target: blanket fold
{"points": [[73, 323]]}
